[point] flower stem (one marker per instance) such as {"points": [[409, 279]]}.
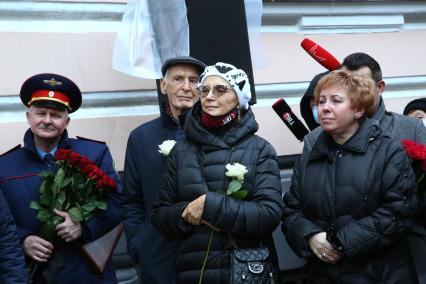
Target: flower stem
{"points": [[200, 281]]}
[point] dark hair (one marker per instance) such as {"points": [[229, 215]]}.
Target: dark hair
{"points": [[357, 60]]}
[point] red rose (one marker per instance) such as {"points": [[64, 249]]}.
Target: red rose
{"points": [[86, 168], [86, 165], [106, 183], [74, 159], [62, 154], [415, 151], [96, 174]]}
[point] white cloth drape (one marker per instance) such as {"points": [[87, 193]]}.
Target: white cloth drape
{"points": [[155, 30]]}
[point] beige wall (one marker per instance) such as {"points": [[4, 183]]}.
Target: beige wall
{"points": [[86, 58], [399, 54]]}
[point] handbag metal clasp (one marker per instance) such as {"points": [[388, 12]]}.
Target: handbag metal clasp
{"points": [[255, 267]]}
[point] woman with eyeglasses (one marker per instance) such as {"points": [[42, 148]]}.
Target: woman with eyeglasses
{"points": [[193, 205]]}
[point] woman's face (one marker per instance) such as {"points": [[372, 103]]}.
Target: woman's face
{"points": [[336, 113], [220, 99]]}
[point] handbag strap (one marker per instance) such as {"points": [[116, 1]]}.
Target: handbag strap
{"points": [[201, 157]]}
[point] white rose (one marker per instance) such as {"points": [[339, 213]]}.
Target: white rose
{"points": [[166, 147], [236, 171]]}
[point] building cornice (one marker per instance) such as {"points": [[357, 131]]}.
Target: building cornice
{"points": [[343, 17]]}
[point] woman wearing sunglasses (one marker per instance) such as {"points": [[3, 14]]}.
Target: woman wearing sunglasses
{"points": [[195, 205]]}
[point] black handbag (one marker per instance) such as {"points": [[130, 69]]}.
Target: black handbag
{"points": [[251, 265]]}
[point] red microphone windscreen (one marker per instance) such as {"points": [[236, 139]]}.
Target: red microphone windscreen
{"points": [[321, 55]]}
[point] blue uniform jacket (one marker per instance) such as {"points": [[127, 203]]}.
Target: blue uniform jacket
{"points": [[143, 170], [19, 182], [12, 264]]}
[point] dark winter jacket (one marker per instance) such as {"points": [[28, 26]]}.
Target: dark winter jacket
{"points": [[364, 191], [143, 170], [196, 166], [12, 262], [20, 183]]}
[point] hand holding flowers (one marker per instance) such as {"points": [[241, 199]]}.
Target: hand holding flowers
{"points": [[77, 188], [236, 172]]}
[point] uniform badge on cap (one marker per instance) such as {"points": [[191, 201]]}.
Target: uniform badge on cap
{"points": [[52, 82]]}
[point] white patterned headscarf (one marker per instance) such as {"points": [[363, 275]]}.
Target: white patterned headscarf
{"points": [[237, 78]]}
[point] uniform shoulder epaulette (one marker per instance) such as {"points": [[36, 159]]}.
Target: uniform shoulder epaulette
{"points": [[88, 139], [11, 150]]}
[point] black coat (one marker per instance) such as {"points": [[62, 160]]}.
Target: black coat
{"points": [[196, 166], [143, 169], [366, 190], [12, 262]]}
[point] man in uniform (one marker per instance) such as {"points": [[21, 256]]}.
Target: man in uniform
{"points": [[144, 167], [50, 98]]}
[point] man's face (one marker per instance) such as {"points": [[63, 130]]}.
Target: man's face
{"points": [[180, 85], [366, 72], [47, 123]]}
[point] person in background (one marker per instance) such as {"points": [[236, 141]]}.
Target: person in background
{"points": [[417, 239], [308, 109], [192, 206], [392, 124], [50, 99], [351, 225], [417, 109], [12, 262], [144, 166]]}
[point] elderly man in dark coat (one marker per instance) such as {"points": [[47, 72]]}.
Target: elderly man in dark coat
{"points": [[50, 98], [144, 167]]}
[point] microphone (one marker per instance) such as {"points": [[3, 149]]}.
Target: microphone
{"points": [[290, 119], [321, 55]]}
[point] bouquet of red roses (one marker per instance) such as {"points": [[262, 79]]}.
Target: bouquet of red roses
{"points": [[417, 154], [77, 186]]}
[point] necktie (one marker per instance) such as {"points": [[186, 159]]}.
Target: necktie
{"points": [[48, 158]]}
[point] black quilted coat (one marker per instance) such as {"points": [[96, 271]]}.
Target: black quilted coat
{"points": [[365, 189], [250, 221]]}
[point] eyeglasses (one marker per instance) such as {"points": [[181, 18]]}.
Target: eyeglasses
{"points": [[217, 90]]}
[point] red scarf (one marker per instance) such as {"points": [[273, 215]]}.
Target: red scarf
{"points": [[211, 121]]}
